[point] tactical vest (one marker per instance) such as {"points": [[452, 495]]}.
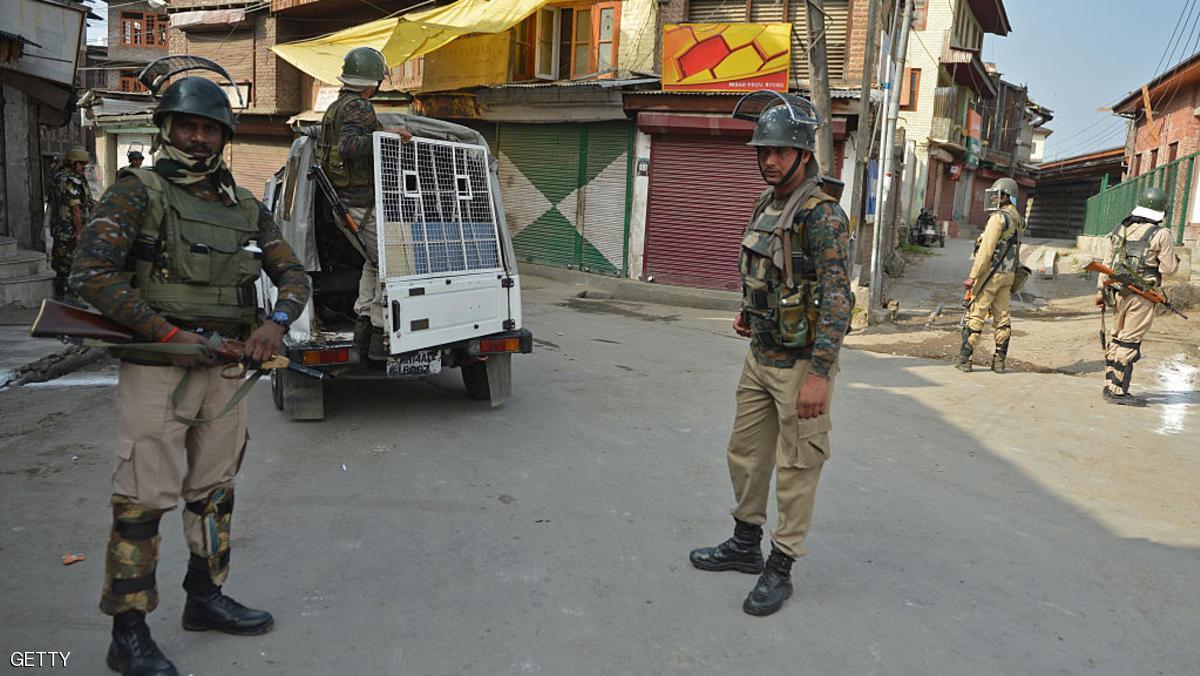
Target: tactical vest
{"points": [[781, 317], [355, 172], [1132, 255], [1004, 261], [208, 252]]}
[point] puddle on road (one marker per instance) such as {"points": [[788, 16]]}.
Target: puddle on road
{"points": [[1179, 382]]}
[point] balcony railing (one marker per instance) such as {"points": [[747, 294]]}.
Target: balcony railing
{"points": [[946, 123]]}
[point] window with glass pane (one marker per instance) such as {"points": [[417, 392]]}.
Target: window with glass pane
{"points": [[604, 39], [522, 64], [566, 20], [581, 59], [546, 27]]}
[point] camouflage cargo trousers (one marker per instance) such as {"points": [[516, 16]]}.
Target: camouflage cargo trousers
{"points": [[62, 254]]}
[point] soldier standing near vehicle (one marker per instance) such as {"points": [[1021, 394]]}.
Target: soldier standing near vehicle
{"points": [[71, 205], [173, 250], [1141, 247], [796, 310], [346, 152], [997, 257]]}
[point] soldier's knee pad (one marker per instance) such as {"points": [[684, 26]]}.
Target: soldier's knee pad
{"points": [[131, 558], [215, 514]]}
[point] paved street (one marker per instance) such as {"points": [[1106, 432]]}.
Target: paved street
{"points": [[984, 524]]}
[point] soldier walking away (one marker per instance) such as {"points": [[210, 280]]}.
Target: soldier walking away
{"points": [[346, 152], [996, 259], [1141, 247], [135, 158], [796, 306], [174, 250], [71, 205]]}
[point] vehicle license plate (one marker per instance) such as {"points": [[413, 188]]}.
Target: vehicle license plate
{"points": [[414, 364]]}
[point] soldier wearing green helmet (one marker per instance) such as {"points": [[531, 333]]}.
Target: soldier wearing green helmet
{"points": [[994, 269], [1141, 247], [173, 252], [346, 152], [71, 205], [796, 305]]}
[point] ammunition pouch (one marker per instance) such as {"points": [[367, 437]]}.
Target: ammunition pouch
{"points": [[798, 315], [1020, 276]]}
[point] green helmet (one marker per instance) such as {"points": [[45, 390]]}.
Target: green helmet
{"points": [[197, 96], [776, 127], [76, 154], [1154, 199], [996, 194], [363, 67]]}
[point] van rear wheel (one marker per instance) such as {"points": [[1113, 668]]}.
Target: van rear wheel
{"points": [[475, 378]]}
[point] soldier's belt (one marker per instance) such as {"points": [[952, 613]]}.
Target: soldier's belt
{"points": [[240, 296], [758, 300]]}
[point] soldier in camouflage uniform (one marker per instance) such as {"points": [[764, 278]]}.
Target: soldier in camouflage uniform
{"points": [[998, 256], [796, 310], [71, 205], [172, 251], [135, 158], [346, 152]]}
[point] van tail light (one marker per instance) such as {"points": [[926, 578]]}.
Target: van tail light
{"points": [[333, 355], [497, 345]]}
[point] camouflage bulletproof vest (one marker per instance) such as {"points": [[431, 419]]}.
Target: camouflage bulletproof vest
{"points": [[206, 254], [355, 172], [1002, 260], [764, 289], [1131, 255]]}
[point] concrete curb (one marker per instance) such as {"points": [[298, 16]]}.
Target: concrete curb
{"points": [[614, 288]]}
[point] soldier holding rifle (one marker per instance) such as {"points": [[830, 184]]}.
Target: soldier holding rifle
{"points": [[171, 251]]}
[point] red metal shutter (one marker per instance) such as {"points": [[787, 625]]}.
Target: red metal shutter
{"points": [[702, 189]]}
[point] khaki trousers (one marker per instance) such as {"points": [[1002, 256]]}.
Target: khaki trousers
{"points": [[1133, 317], [994, 298], [370, 293], [768, 438], [160, 460]]}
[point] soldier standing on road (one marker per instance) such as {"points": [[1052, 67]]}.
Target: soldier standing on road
{"points": [[171, 250], [71, 205], [997, 254], [346, 152], [796, 310], [1141, 247]]}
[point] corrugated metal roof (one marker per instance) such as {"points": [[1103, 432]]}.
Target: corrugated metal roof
{"points": [[876, 95]]}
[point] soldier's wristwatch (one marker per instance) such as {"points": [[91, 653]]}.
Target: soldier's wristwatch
{"points": [[281, 318]]}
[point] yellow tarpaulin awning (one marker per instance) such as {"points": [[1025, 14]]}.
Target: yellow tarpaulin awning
{"points": [[405, 37]]}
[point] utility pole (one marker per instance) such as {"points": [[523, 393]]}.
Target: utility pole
{"points": [[818, 75], [886, 153], [862, 137]]}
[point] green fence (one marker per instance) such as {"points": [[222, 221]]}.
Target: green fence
{"points": [[1113, 204]]}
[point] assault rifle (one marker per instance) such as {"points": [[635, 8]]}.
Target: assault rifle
{"points": [[59, 320], [1129, 283], [317, 173]]}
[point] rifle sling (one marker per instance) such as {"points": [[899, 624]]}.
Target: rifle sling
{"points": [[992, 273]]}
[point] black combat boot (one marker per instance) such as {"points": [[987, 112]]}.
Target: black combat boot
{"points": [[741, 552], [377, 350], [207, 608], [999, 357], [362, 334], [132, 651], [774, 585], [1124, 399], [964, 352]]}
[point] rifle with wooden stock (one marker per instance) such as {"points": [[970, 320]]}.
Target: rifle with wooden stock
{"points": [[67, 322], [341, 210], [1128, 282]]}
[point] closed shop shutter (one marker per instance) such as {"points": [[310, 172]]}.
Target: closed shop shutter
{"points": [[254, 159], [766, 11], [539, 174], [837, 21], [702, 190], [564, 189], [716, 11]]}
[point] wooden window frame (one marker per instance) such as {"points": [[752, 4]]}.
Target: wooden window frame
{"points": [[127, 81], [555, 32], [910, 89], [524, 71], [615, 40], [144, 30]]}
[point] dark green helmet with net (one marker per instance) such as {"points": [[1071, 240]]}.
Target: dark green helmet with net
{"points": [[780, 121], [998, 195], [196, 96], [363, 67], [1154, 199]]}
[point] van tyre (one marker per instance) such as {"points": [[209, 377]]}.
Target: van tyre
{"points": [[277, 389], [303, 398], [475, 378]]}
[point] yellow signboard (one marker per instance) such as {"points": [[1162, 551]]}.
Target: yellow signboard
{"points": [[726, 57]]}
